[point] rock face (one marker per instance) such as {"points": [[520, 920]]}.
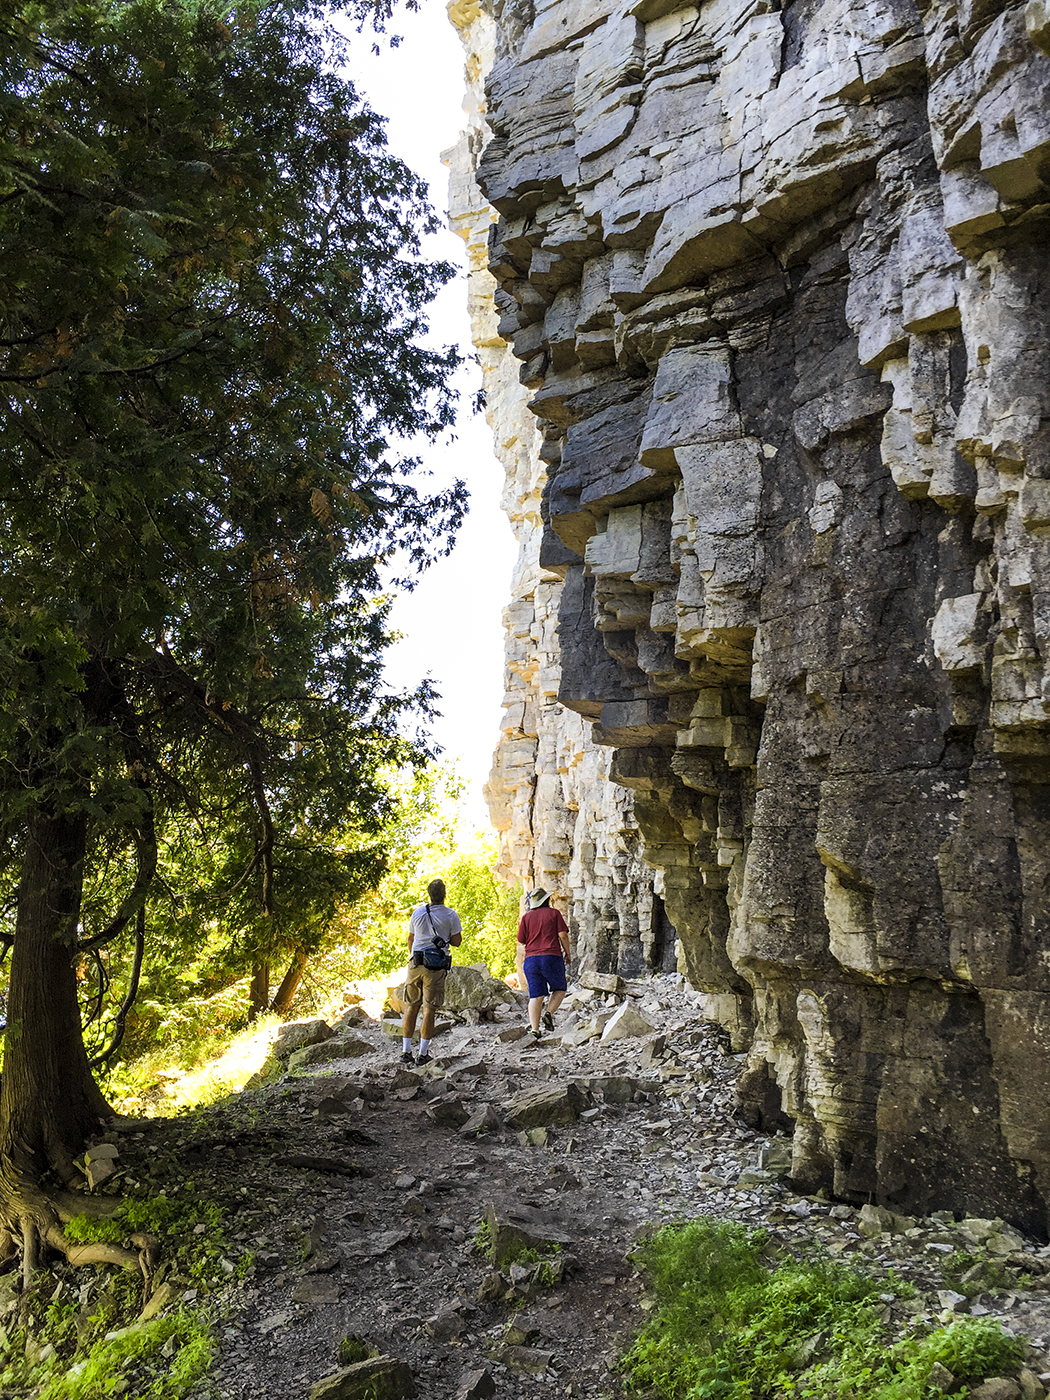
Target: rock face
{"points": [[564, 823], [777, 287]]}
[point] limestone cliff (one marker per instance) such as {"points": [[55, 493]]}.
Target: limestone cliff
{"points": [[564, 823], [778, 286]]}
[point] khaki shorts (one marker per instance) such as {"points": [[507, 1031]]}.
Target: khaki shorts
{"points": [[423, 985]]}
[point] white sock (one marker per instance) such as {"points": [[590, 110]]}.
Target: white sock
{"points": [[424, 1046], [406, 1044]]}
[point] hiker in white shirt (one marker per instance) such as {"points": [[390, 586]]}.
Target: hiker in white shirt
{"points": [[432, 930]]}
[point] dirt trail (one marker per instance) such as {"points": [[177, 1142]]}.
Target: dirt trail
{"points": [[390, 1255]]}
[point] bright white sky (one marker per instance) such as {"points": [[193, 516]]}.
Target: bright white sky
{"points": [[451, 625]]}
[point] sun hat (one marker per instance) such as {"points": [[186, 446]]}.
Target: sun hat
{"points": [[538, 897]]}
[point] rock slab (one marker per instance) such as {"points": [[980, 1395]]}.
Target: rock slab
{"points": [[379, 1378]]}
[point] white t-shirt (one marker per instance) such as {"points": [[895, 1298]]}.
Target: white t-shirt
{"points": [[445, 923]]}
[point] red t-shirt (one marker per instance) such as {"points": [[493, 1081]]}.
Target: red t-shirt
{"points": [[539, 930]]}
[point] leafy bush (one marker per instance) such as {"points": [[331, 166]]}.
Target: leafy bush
{"points": [[429, 846], [731, 1323]]}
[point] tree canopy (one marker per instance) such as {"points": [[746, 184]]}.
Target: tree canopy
{"points": [[212, 308]]}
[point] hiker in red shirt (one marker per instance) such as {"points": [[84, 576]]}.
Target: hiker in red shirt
{"points": [[543, 951]]}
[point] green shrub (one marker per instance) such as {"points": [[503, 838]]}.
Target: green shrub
{"points": [[730, 1323]]}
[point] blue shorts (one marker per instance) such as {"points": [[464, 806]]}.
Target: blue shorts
{"points": [[545, 972]]}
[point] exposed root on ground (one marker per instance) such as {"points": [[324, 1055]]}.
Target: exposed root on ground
{"points": [[35, 1218]]}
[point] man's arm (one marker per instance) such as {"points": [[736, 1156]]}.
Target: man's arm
{"points": [[456, 938], [519, 958], [563, 937]]}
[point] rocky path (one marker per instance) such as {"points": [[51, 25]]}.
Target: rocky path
{"points": [[358, 1186]]}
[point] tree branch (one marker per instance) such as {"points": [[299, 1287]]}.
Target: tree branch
{"points": [[129, 999]]}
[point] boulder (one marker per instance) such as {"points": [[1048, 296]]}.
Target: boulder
{"points": [[1031, 1386], [874, 1220], [352, 1019], [538, 1108], [337, 1048], [510, 1034], [606, 982], [448, 1111], [294, 1035], [527, 1360], [513, 1229], [653, 1051], [446, 1326], [612, 1088], [492, 1289], [535, 1137], [318, 1289], [476, 1385], [378, 1378], [163, 1297], [626, 1024], [466, 1069], [475, 989], [776, 1156], [100, 1163], [940, 1379], [996, 1388], [951, 1301], [483, 1120], [976, 1230], [1005, 1241], [590, 1029]]}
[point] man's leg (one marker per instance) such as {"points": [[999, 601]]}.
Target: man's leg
{"points": [[556, 999], [433, 999], [413, 998], [535, 1012]]}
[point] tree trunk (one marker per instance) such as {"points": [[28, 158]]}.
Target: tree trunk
{"points": [[50, 1101], [260, 990], [289, 984]]}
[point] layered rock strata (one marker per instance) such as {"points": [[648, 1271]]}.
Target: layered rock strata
{"points": [[778, 284], [564, 824]]}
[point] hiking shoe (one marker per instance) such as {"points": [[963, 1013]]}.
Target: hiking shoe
{"points": [[422, 1059], [407, 1058], [548, 1021], [536, 1035]]}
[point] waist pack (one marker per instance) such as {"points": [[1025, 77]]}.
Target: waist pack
{"points": [[435, 959]]}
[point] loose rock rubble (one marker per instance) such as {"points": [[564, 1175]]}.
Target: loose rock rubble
{"points": [[359, 1186]]}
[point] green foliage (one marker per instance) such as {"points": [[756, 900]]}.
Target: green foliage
{"points": [[352, 1349], [212, 305], [972, 1349], [181, 1344], [425, 845], [192, 1232], [991, 1273], [483, 1239], [730, 1323], [162, 1359]]}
